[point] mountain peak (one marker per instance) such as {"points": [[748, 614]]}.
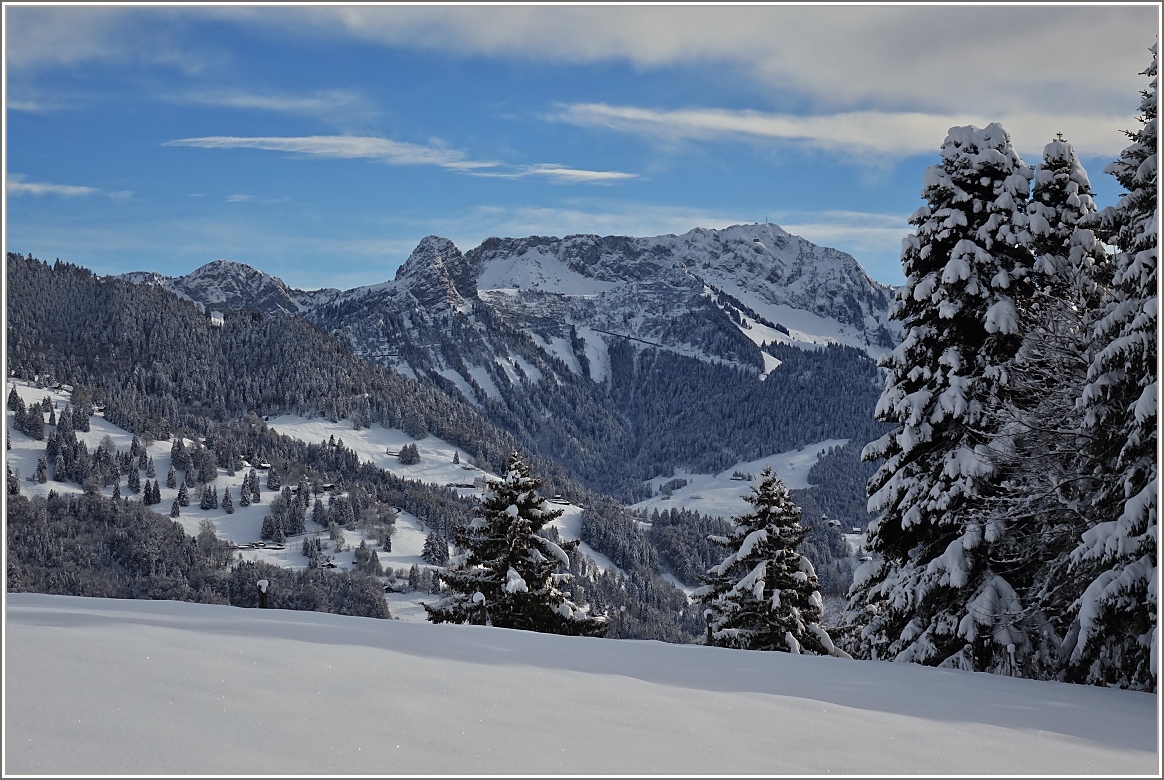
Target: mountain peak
{"points": [[436, 272]]}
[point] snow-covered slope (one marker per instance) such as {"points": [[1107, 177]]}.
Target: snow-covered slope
{"points": [[107, 687], [722, 494]]}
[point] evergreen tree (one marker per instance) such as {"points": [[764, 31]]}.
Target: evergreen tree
{"points": [[436, 549], [116, 491], [213, 497], [183, 496], [967, 276], [174, 510], [244, 494], [171, 478], [227, 503], [204, 503], [414, 578], [274, 482], [133, 480], [41, 471], [511, 565], [150, 471], [14, 400], [80, 419], [255, 494], [764, 594], [34, 422], [272, 529], [1042, 481], [1114, 636]]}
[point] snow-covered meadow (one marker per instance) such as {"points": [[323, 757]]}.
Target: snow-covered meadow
{"points": [[722, 495], [108, 687]]}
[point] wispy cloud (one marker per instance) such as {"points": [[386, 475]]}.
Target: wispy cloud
{"points": [[560, 174], [16, 185], [343, 147], [400, 153], [338, 107], [34, 106], [856, 133]]}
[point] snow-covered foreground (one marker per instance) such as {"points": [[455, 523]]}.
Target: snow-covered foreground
{"points": [[98, 686]]}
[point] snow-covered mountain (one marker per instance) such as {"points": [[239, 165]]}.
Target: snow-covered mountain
{"points": [[623, 357], [224, 284], [772, 285]]}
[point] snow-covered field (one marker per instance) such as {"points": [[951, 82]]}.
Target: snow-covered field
{"points": [[108, 687], [722, 496]]}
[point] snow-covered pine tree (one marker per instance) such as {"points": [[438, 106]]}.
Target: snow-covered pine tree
{"points": [[171, 478], [436, 549], [1041, 480], [930, 595], [511, 565], [227, 502], [1114, 638], [183, 496], [764, 595]]}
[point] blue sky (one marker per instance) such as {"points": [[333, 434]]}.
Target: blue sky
{"points": [[320, 144]]}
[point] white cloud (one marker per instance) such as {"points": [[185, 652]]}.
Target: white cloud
{"points": [[398, 153], [343, 147], [983, 58], [48, 36], [315, 103], [340, 108], [857, 133], [990, 59], [560, 174], [16, 185]]}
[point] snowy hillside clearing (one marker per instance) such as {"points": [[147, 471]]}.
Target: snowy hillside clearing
{"points": [[100, 686], [721, 496], [242, 528]]}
